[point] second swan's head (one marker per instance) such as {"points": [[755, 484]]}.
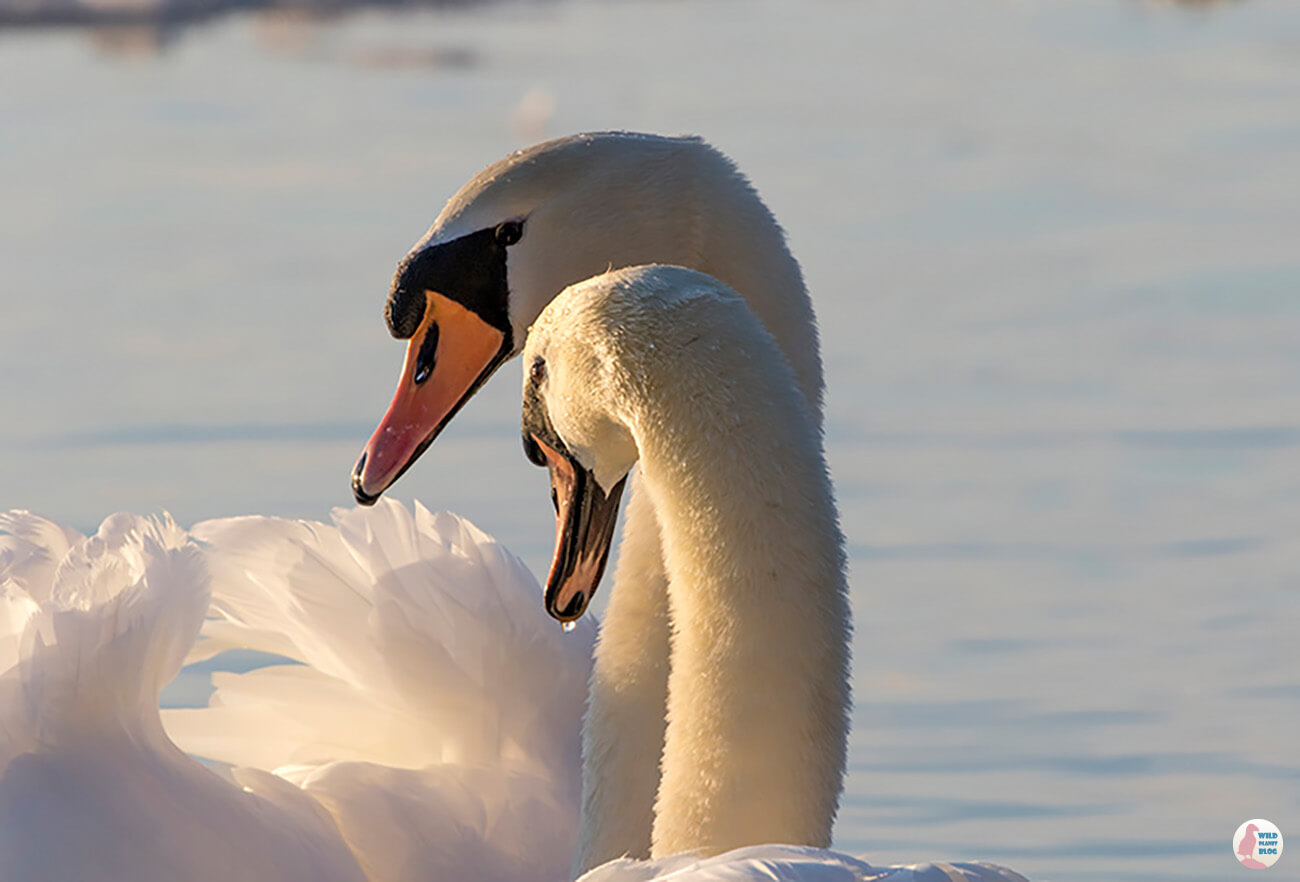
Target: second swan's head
{"points": [[600, 363]]}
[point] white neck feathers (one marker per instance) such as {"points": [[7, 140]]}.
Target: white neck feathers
{"points": [[731, 456]]}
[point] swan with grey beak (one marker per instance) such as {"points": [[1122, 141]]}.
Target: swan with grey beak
{"points": [[666, 367]]}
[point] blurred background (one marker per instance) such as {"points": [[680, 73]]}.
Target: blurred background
{"points": [[1055, 252]]}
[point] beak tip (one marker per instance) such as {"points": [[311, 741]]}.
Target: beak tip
{"points": [[359, 492], [572, 611]]}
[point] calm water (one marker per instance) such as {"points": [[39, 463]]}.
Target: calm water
{"points": [[1055, 249]]}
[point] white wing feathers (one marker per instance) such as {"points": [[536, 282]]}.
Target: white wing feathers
{"points": [[90, 786], [419, 640], [428, 702], [423, 723], [82, 611], [426, 719]]}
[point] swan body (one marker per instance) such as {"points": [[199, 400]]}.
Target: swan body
{"points": [[504, 245]]}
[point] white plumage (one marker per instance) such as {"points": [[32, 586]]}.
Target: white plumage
{"points": [[90, 785], [427, 729], [787, 863], [429, 714], [434, 707]]}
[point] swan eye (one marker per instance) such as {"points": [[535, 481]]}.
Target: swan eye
{"points": [[428, 355], [509, 233], [537, 372]]}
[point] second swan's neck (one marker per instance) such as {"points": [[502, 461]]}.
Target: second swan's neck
{"points": [[758, 691]]}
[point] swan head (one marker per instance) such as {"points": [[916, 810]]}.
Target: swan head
{"points": [[595, 361], [504, 245], [588, 454]]}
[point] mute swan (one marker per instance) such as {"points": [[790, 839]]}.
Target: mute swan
{"points": [[666, 367], [503, 246], [429, 718]]}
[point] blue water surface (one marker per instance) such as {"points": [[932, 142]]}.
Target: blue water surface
{"points": [[1053, 248]]}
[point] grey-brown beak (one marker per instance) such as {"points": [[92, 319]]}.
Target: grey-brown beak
{"points": [[585, 516]]}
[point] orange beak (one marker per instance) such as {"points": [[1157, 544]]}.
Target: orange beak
{"points": [[451, 354]]}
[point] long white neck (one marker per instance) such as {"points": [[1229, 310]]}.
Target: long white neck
{"points": [[758, 693], [741, 244]]}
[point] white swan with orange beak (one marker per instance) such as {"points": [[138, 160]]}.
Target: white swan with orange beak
{"points": [[508, 242]]}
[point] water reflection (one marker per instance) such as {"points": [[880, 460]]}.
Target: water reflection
{"points": [[146, 28], [164, 13], [133, 40]]}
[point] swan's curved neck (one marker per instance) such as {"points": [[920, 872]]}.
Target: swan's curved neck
{"points": [[740, 242], [758, 689], [664, 201]]}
